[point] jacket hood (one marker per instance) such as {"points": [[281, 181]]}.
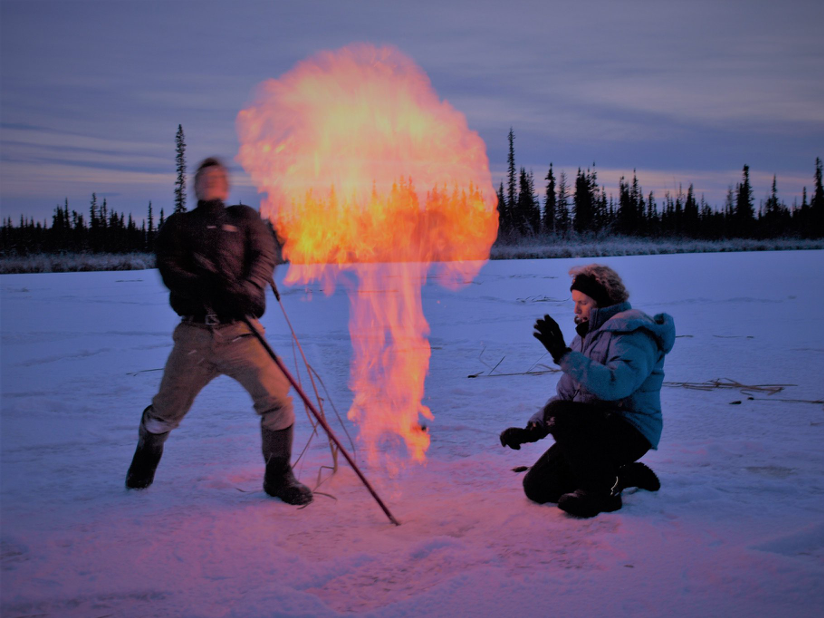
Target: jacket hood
{"points": [[625, 319]]}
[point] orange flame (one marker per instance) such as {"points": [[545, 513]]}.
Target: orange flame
{"points": [[342, 146]]}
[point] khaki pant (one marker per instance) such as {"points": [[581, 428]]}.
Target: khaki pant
{"points": [[199, 355]]}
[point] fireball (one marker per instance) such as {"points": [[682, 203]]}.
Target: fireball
{"points": [[365, 171]]}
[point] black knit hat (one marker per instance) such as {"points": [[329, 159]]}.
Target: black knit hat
{"points": [[589, 285]]}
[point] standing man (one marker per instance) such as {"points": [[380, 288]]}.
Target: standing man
{"points": [[217, 261], [607, 410]]}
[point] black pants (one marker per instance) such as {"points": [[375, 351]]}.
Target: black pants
{"points": [[590, 445]]}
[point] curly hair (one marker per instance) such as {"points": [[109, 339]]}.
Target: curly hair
{"points": [[605, 276]]}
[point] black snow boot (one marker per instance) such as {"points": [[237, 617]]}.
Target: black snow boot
{"points": [[638, 475], [146, 457], [279, 481], [588, 503]]}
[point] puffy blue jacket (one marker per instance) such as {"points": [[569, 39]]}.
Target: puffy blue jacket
{"points": [[620, 363]]}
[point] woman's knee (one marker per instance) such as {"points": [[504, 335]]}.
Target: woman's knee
{"points": [[549, 478], [533, 488]]}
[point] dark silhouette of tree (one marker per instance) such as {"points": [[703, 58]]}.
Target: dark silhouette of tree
{"points": [[150, 230], [527, 214], [690, 220], [94, 223], [775, 219], [744, 209], [653, 223], [588, 205], [636, 195], [562, 223], [504, 215], [817, 202], [630, 215], [511, 195], [180, 167], [603, 212], [550, 216], [592, 212]]}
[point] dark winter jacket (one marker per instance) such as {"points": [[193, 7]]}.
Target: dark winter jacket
{"points": [[216, 259], [619, 363]]}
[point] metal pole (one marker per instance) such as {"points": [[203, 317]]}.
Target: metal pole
{"points": [[320, 419]]}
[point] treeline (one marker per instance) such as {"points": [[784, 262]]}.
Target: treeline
{"points": [[581, 207], [104, 231], [571, 208]]}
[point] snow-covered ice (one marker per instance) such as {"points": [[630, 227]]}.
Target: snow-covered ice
{"points": [[737, 528]]}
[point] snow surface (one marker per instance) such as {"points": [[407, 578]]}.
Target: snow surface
{"points": [[737, 528]]}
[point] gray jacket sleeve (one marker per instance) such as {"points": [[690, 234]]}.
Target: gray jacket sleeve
{"points": [[631, 359]]}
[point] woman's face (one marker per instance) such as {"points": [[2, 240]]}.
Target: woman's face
{"points": [[583, 306]]}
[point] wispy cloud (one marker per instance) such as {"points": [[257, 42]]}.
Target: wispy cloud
{"points": [[92, 92]]}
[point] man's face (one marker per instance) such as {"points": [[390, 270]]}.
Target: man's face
{"points": [[212, 184], [583, 305]]}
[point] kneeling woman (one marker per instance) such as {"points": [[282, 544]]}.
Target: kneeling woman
{"points": [[607, 411]]}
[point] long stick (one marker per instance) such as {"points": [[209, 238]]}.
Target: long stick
{"points": [[320, 419], [308, 370]]}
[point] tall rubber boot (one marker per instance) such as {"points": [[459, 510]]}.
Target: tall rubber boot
{"points": [[590, 502], [279, 481], [146, 457], [638, 475]]}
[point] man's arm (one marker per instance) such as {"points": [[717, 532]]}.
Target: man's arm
{"points": [[262, 252], [172, 261], [247, 295]]}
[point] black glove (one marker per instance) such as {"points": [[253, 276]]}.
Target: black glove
{"points": [[514, 437], [549, 333]]}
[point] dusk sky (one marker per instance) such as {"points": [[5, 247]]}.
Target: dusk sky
{"points": [[683, 92]]}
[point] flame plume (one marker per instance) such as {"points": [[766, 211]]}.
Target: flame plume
{"points": [[366, 171]]}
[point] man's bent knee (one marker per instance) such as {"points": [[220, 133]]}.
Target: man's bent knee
{"points": [[277, 419]]}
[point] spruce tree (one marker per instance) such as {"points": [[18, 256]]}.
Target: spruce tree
{"points": [[744, 209], [653, 228], [626, 208], [817, 202], [589, 204], [534, 204], [582, 204], [511, 195], [776, 215], [527, 212], [729, 213], [771, 205], [504, 217], [636, 195], [690, 222], [180, 166], [562, 205], [550, 218], [93, 224], [150, 231]]}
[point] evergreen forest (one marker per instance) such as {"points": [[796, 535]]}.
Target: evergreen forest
{"points": [[570, 209]]}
